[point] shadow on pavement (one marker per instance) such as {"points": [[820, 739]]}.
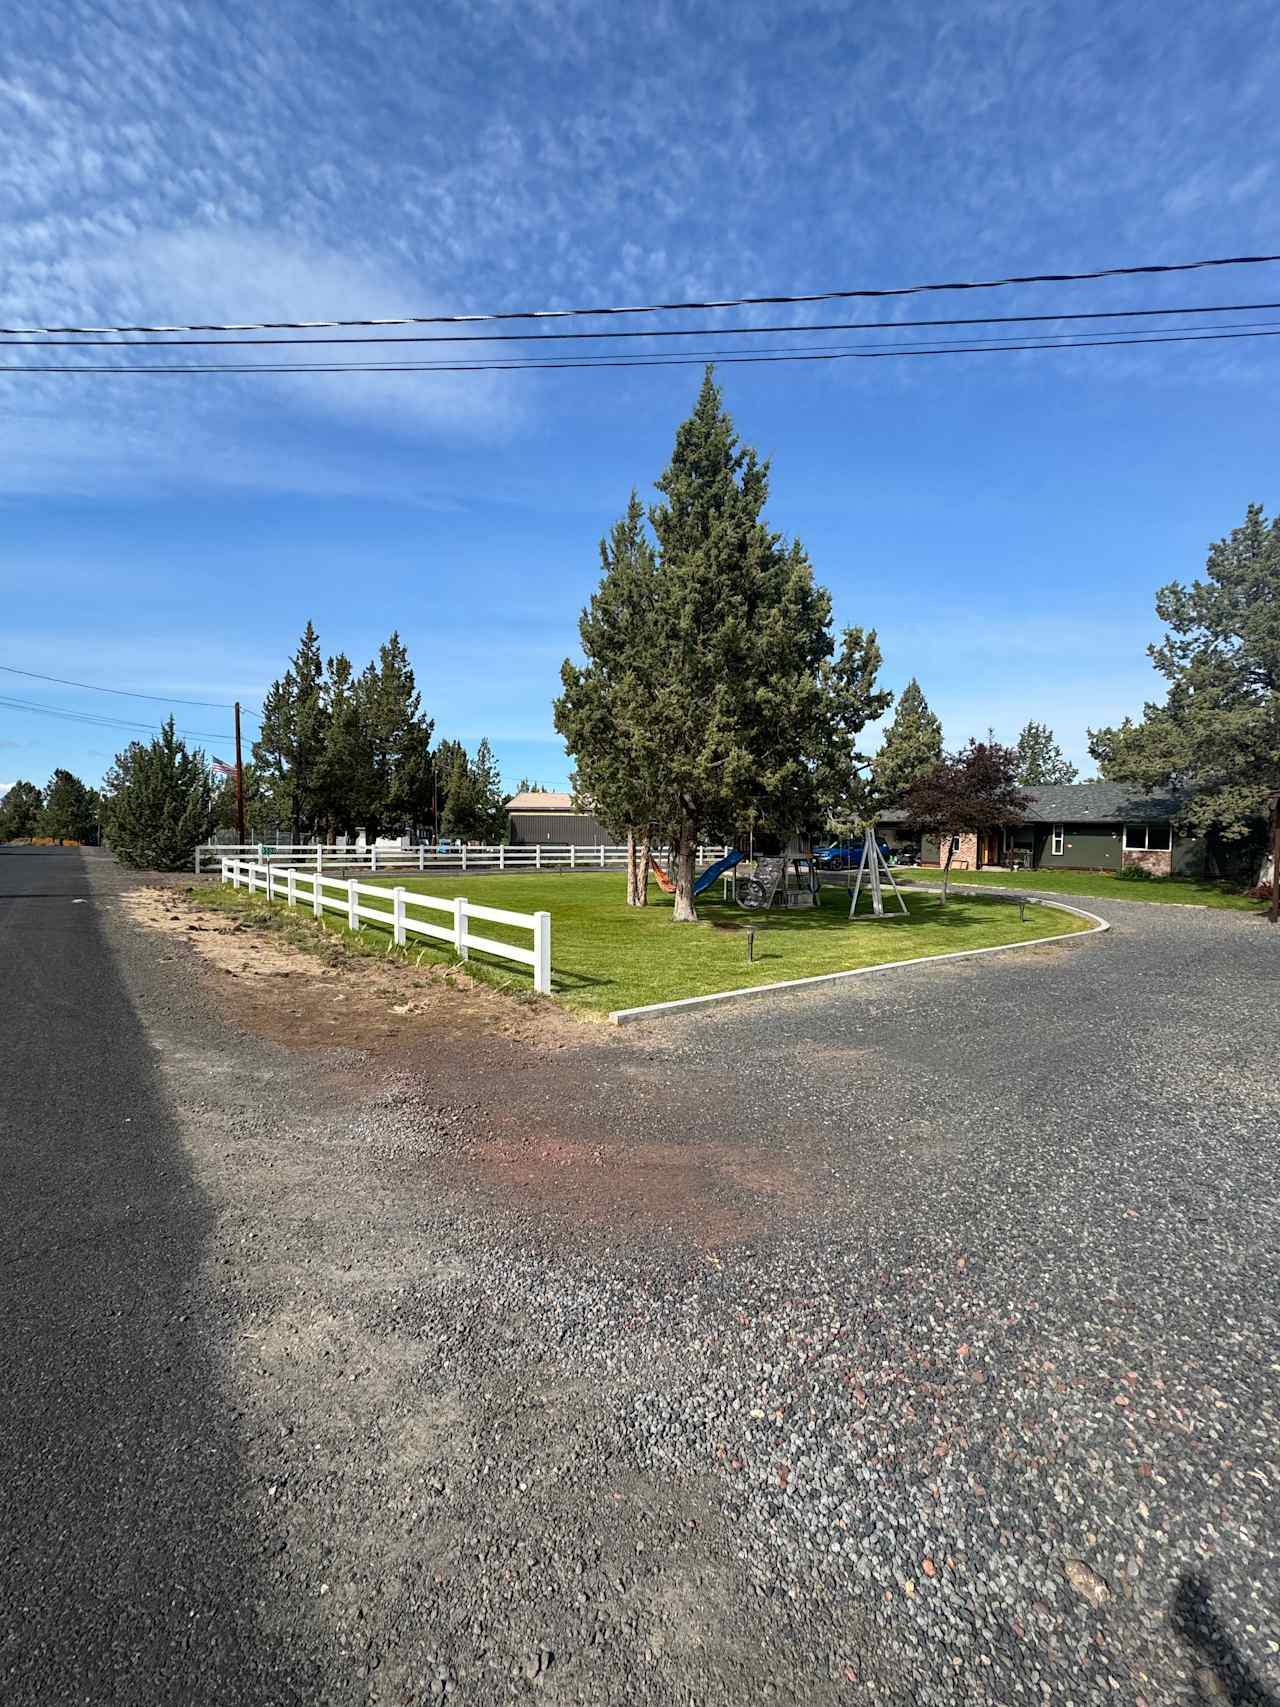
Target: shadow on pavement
{"points": [[1198, 1625], [133, 1569]]}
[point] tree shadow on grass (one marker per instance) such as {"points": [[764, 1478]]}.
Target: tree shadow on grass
{"points": [[1199, 1627]]}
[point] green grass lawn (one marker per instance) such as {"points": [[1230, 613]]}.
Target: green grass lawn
{"points": [[1175, 891], [605, 955]]}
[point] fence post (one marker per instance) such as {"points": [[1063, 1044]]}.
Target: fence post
{"points": [[502, 857], [460, 927], [319, 857], [537, 855], [317, 897], [397, 917], [602, 856], [542, 949], [422, 858], [197, 862], [464, 856], [353, 901], [373, 857], [573, 856], [291, 887]]}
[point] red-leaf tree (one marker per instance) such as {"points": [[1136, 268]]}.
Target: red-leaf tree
{"points": [[968, 792]]}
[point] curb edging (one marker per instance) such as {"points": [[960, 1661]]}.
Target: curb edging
{"points": [[628, 1016]]}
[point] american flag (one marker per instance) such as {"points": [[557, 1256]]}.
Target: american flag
{"points": [[221, 768]]}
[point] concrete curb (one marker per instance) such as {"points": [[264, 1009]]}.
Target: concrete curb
{"points": [[628, 1016]]}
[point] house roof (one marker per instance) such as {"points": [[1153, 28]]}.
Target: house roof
{"points": [[540, 800], [1087, 803]]}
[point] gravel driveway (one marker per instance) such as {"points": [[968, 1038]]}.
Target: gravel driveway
{"points": [[911, 1340]]}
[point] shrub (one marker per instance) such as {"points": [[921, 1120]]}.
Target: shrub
{"points": [[1137, 874], [1260, 892]]}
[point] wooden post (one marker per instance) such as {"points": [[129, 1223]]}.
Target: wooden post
{"points": [[317, 896], [537, 855], [460, 927], [239, 781], [353, 902], [291, 887], [397, 917]]}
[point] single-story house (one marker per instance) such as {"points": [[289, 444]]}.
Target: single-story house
{"points": [[545, 816], [1082, 826]]}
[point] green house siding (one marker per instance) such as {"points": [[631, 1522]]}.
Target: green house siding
{"points": [[1188, 856], [1085, 847]]}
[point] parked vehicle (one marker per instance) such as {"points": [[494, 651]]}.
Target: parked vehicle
{"points": [[840, 856]]}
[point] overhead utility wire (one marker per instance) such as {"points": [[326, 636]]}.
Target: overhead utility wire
{"points": [[674, 307], [651, 332], [638, 361], [97, 722], [124, 693]]}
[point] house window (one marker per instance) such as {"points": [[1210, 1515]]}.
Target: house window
{"points": [[1155, 836], [955, 844], [1059, 835]]}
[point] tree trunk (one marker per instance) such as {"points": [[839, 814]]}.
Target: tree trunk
{"points": [[642, 871], [946, 868], [632, 895], [1273, 911], [683, 853]]}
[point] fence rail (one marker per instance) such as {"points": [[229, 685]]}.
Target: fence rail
{"points": [[301, 886], [536, 857]]}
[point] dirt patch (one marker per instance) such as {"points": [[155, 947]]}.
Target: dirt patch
{"points": [[712, 1194], [332, 998]]}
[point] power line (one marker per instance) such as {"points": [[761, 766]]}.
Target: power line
{"points": [[640, 361], [97, 722], [123, 693], [777, 298], [650, 332]]}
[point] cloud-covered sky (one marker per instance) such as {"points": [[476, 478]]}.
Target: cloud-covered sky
{"points": [[1002, 520]]}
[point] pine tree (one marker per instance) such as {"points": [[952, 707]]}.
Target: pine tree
{"points": [[460, 812], [70, 809], [604, 712], [490, 797], [735, 706], [398, 738], [346, 772], [1041, 762], [1217, 734], [20, 813], [292, 736], [444, 767], [158, 804], [912, 745]]}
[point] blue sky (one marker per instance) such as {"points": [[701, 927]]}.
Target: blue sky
{"points": [[1002, 521]]}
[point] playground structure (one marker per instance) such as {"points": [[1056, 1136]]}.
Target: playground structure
{"points": [[704, 879], [776, 881], [873, 867]]}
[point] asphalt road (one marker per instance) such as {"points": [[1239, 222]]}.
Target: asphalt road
{"points": [[905, 1342], [126, 1568]]}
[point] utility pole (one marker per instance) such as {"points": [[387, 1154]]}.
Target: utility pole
{"points": [[239, 782]]}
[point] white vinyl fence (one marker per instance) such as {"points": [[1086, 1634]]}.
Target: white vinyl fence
{"points": [[400, 910], [538, 857]]}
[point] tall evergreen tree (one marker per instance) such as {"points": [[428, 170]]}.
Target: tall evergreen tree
{"points": [[1041, 761], [912, 745], [399, 740], [70, 809], [158, 804], [292, 736], [1218, 732], [21, 811], [735, 701], [490, 797], [346, 772], [602, 711], [460, 813], [449, 760]]}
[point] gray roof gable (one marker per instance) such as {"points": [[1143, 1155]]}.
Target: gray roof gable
{"points": [[1088, 803]]}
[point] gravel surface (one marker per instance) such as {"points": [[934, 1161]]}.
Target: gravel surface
{"points": [[909, 1341]]}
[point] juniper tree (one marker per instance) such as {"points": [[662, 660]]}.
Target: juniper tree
{"points": [[158, 802], [1217, 735], [1041, 761], [912, 744]]}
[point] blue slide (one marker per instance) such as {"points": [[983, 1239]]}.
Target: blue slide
{"points": [[709, 876]]}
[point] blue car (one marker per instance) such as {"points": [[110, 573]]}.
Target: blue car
{"points": [[840, 856]]}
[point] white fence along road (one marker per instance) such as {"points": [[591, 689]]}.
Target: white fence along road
{"points": [[299, 886], [537, 857]]}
